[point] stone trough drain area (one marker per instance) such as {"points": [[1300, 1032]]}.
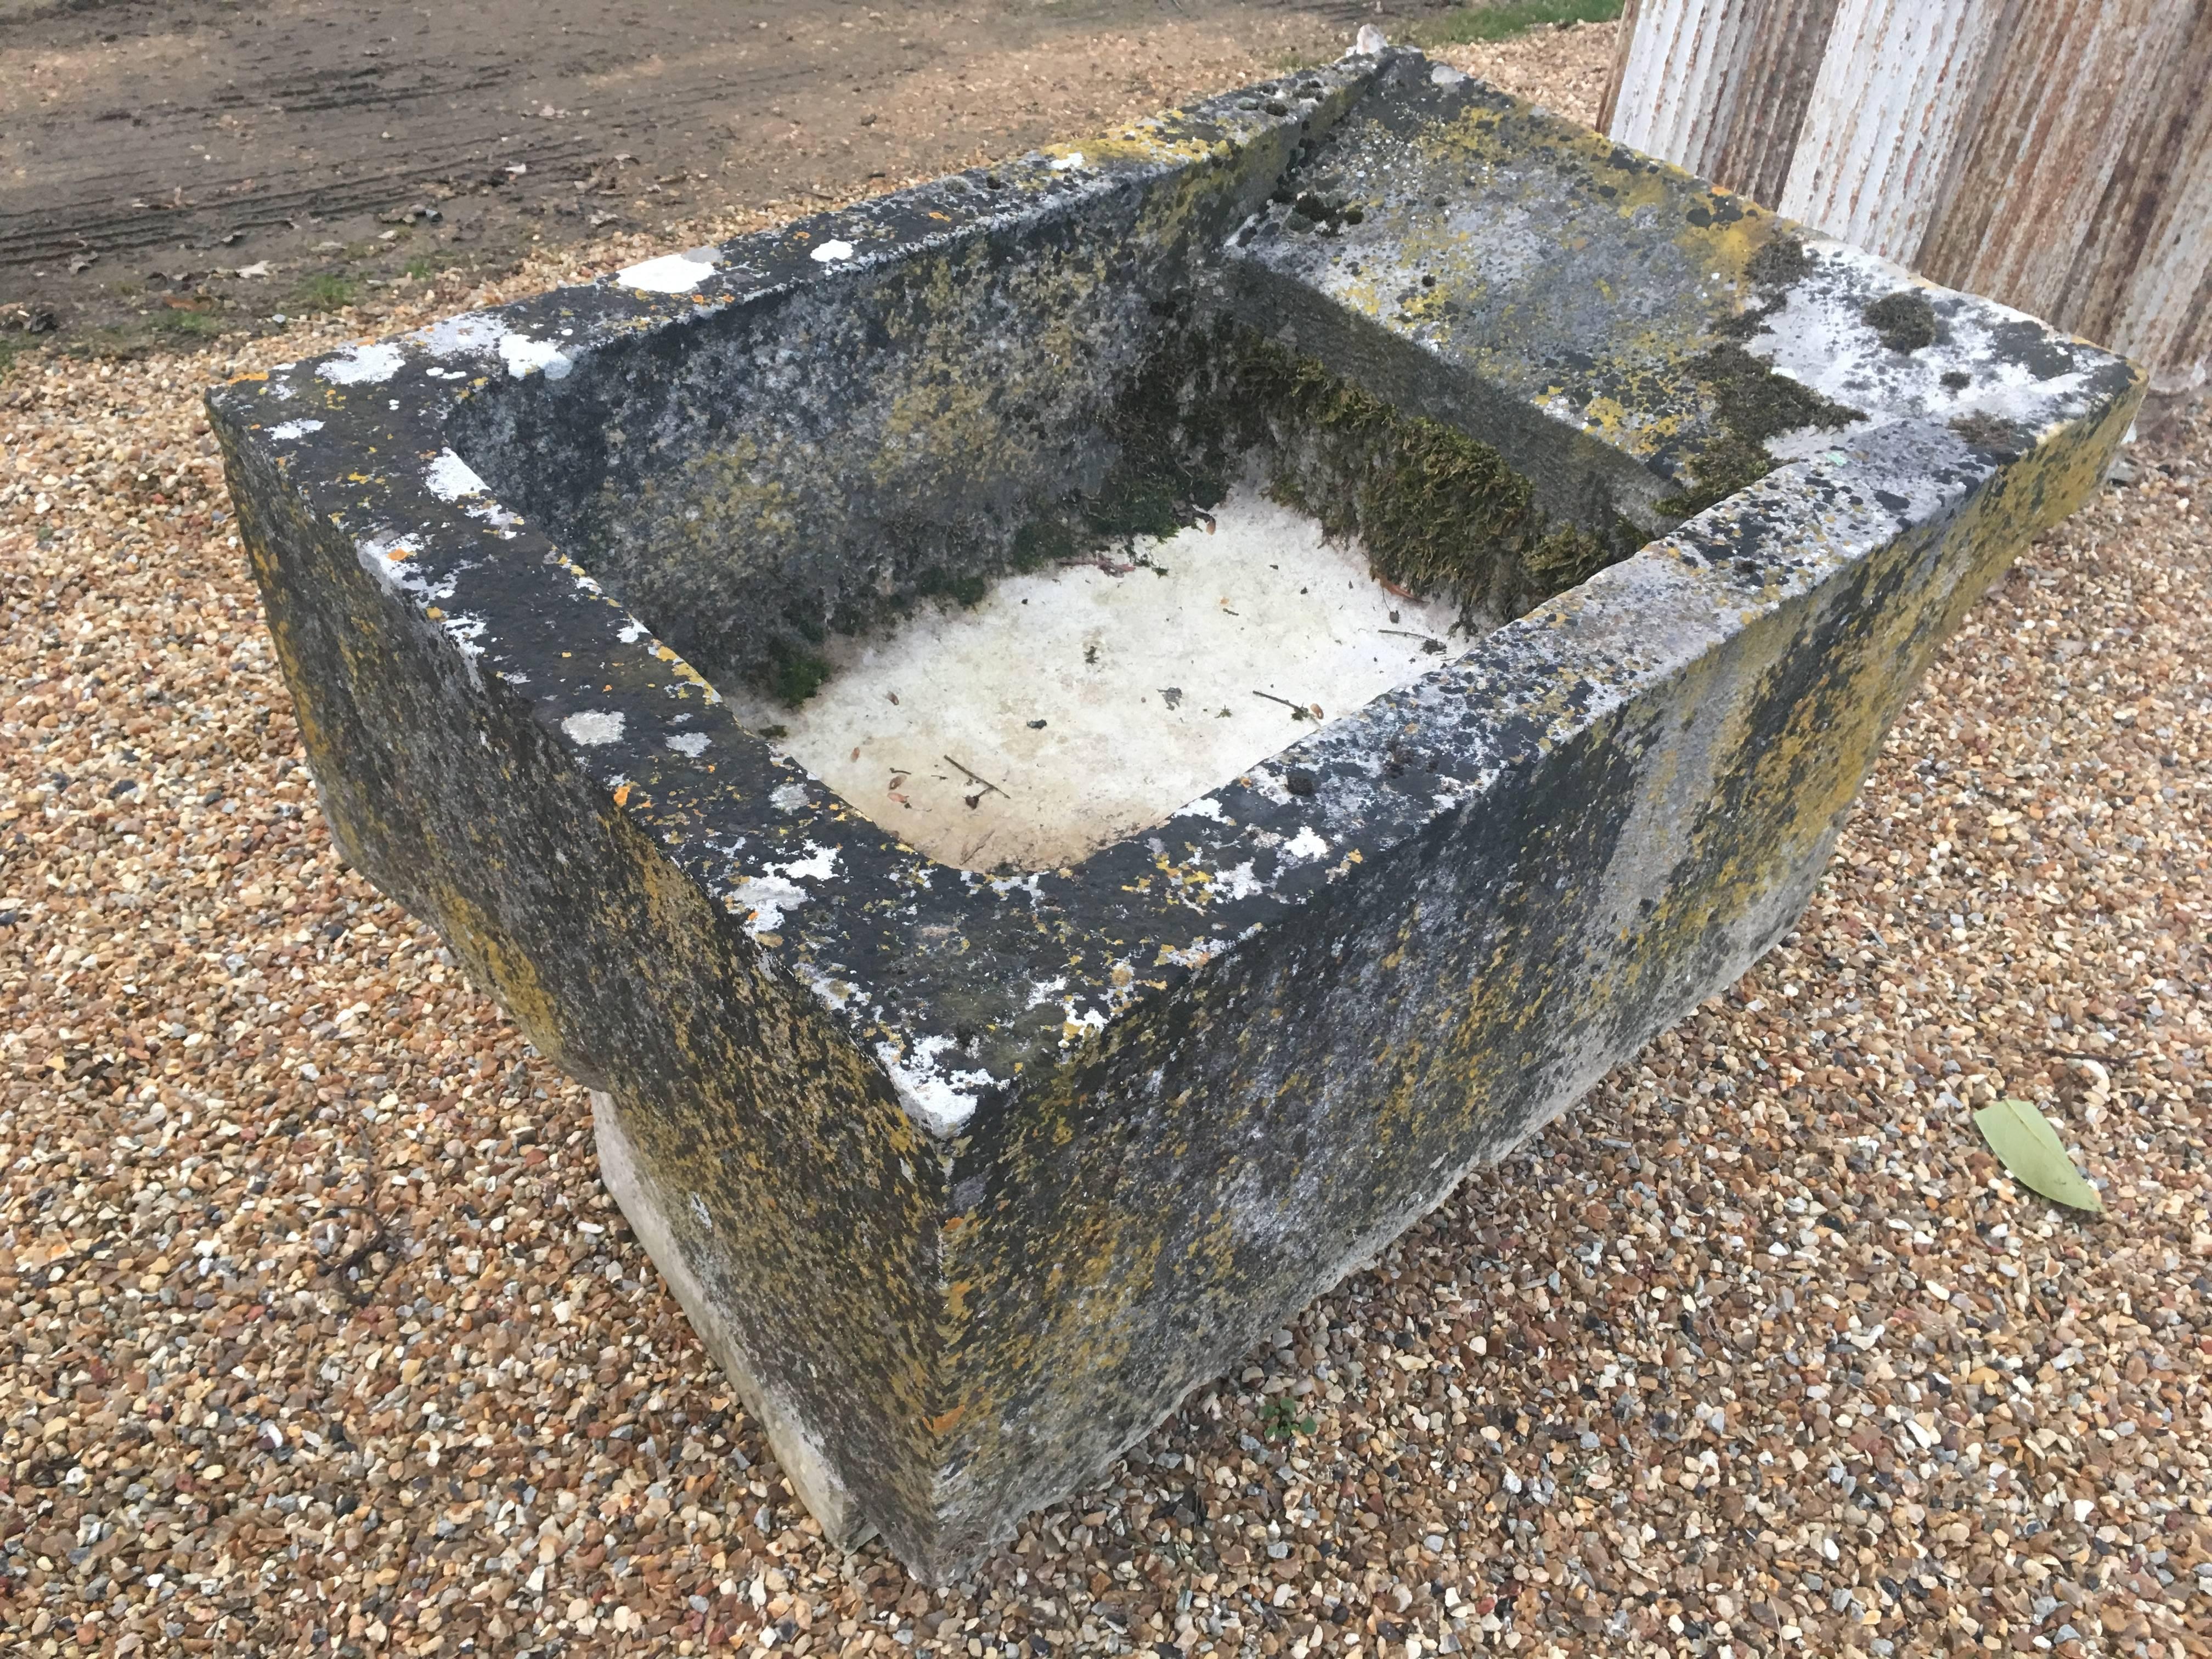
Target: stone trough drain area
{"points": [[2052, 768]]}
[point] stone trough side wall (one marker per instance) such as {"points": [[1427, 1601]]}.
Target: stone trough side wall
{"points": [[1681, 739], [804, 1184], [818, 456]]}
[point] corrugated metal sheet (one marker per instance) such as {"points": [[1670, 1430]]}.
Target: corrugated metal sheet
{"points": [[2054, 154], [1673, 54], [1775, 73], [1729, 84], [2059, 113], [2144, 282], [1894, 92]]}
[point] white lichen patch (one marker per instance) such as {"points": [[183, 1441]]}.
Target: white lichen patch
{"points": [[592, 727], [449, 477], [1821, 339], [471, 332], [830, 251], [361, 365], [287, 432], [1073, 707], [938, 1095], [523, 356], [497, 517], [381, 555], [764, 898], [671, 273]]}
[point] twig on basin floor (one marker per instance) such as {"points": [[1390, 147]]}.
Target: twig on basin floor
{"points": [[974, 777], [1299, 711], [1430, 645], [1096, 561]]}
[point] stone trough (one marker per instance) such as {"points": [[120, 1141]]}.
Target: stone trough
{"points": [[1065, 749]]}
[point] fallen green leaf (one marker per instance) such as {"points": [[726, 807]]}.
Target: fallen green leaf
{"points": [[2024, 1139]]}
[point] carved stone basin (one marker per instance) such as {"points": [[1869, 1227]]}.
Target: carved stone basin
{"points": [[757, 665]]}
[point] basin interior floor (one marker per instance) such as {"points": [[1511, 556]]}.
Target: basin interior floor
{"points": [[1078, 704]]}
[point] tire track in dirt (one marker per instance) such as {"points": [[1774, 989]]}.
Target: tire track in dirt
{"points": [[167, 145]]}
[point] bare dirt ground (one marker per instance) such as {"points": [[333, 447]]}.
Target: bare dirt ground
{"points": [[319, 1335], [150, 153]]}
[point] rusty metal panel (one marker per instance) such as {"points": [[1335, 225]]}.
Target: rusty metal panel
{"points": [[1895, 85], [1679, 55], [2062, 109], [2144, 282], [1776, 67], [2184, 372], [2056, 155], [1624, 43], [1720, 87]]}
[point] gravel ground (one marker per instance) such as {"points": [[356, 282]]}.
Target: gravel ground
{"points": [[317, 1334], [1564, 69]]}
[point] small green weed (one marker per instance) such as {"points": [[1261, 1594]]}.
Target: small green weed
{"points": [[325, 291], [1280, 1418], [796, 675], [1466, 25], [187, 325]]}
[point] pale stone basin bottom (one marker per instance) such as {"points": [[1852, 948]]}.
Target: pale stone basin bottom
{"points": [[1079, 704]]}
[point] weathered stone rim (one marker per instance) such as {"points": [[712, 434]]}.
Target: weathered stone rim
{"points": [[837, 903]]}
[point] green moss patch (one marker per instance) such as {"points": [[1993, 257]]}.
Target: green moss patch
{"points": [[796, 674], [1041, 541], [1780, 262], [942, 584], [1991, 432], [1903, 320], [1751, 404], [1439, 511]]}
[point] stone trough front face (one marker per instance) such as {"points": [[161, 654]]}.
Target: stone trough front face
{"points": [[967, 1168]]}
